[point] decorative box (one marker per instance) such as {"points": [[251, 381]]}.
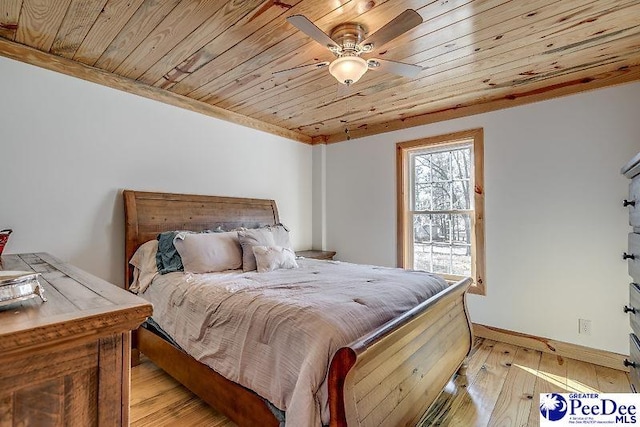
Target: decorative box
{"points": [[19, 285]]}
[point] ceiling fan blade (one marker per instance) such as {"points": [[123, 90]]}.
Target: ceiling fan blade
{"points": [[394, 28], [309, 28], [394, 67], [301, 67]]}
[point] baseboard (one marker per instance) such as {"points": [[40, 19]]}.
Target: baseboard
{"points": [[547, 345]]}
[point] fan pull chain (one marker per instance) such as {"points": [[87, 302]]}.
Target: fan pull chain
{"points": [[346, 122]]}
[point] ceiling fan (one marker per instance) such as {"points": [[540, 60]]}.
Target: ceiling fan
{"points": [[347, 42]]}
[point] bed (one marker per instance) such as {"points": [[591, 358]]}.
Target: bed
{"points": [[390, 376]]}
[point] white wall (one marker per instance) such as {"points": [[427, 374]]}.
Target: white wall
{"points": [[319, 204], [68, 147], [555, 226]]}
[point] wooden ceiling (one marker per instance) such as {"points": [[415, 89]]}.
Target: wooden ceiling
{"points": [[217, 56]]}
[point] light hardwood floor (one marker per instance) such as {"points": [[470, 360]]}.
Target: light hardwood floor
{"points": [[502, 389]]}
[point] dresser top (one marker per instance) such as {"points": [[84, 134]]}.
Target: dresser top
{"points": [[632, 168], [79, 304]]}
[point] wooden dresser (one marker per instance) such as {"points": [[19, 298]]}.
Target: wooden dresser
{"points": [[632, 171], [66, 361]]}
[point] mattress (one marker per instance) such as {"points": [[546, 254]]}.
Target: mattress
{"points": [[276, 332]]}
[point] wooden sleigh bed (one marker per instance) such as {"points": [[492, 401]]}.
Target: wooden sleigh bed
{"points": [[402, 366]]}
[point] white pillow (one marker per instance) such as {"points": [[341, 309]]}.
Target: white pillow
{"points": [[280, 235], [271, 235], [269, 258], [209, 252], [145, 267], [250, 238]]}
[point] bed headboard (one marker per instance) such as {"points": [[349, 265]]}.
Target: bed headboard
{"points": [[147, 214]]}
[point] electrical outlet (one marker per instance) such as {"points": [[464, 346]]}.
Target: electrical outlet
{"points": [[584, 326]]}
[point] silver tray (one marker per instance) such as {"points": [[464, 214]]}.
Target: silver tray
{"points": [[19, 286]]}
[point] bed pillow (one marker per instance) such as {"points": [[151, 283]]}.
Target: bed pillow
{"points": [[250, 238], [280, 235], [209, 252], [145, 267], [168, 259], [269, 258], [270, 235]]}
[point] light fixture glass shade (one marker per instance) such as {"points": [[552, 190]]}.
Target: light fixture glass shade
{"points": [[348, 69]]}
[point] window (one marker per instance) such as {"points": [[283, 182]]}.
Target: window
{"points": [[441, 206]]}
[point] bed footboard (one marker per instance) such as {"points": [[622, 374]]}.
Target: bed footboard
{"points": [[392, 376]]}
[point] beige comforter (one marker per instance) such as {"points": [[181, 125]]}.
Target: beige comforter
{"points": [[275, 332]]}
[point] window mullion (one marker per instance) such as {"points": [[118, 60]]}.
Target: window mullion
{"points": [[452, 212], [450, 244]]}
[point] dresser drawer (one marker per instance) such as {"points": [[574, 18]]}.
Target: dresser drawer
{"points": [[634, 197], [634, 371], [634, 307], [633, 256]]}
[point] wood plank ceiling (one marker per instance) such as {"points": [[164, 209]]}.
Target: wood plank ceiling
{"points": [[217, 56]]}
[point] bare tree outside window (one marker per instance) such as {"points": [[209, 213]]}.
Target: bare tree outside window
{"points": [[440, 205], [441, 210]]}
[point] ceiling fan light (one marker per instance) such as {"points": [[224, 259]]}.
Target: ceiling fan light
{"points": [[348, 69]]}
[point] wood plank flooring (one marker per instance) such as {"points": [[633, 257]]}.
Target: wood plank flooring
{"points": [[501, 388]]}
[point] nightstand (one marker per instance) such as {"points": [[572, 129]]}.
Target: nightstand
{"points": [[316, 254]]}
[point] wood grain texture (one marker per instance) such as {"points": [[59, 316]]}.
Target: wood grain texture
{"points": [[448, 36], [316, 254], [551, 377], [239, 404], [146, 18], [483, 391], [111, 380], [479, 70], [260, 87], [289, 41], [559, 348], [513, 98], [36, 324], [410, 358], [81, 396], [514, 404], [76, 24], [157, 399], [476, 55], [66, 361], [39, 22], [147, 214], [454, 407], [40, 405], [178, 24], [9, 14], [228, 26], [451, 402], [245, 27], [393, 379], [482, 53], [112, 18]]}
